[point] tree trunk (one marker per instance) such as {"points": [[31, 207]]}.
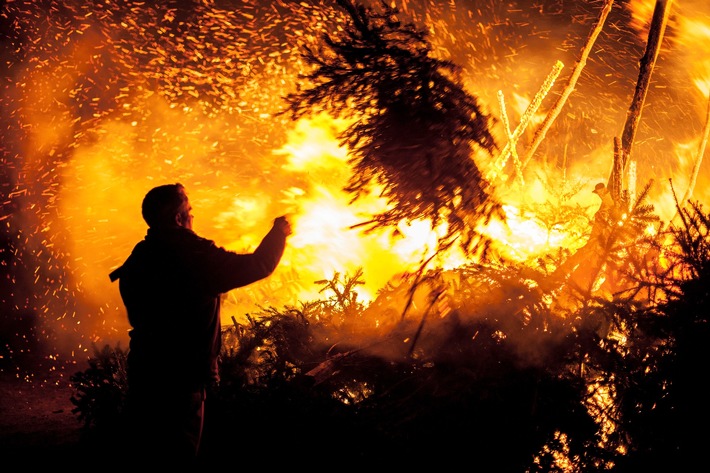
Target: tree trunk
{"points": [[655, 37]]}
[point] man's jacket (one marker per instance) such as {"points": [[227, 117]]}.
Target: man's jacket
{"points": [[171, 285]]}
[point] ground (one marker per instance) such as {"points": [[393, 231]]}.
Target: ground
{"points": [[37, 426]]}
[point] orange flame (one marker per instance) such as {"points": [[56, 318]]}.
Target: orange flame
{"points": [[201, 109]]}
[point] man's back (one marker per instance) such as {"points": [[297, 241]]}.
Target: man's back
{"points": [[173, 311]]}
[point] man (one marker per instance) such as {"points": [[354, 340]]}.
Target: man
{"points": [[607, 201], [171, 286], [583, 267]]}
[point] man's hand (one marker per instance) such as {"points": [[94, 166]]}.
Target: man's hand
{"points": [[283, 224]]}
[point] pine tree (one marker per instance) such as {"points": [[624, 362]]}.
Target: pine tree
{"points": [[416, 131]]}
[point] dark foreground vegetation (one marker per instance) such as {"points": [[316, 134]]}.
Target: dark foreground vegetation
{"points": [[503, 367]]}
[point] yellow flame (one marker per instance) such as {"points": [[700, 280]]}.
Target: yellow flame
{"points": [[204, 116]]}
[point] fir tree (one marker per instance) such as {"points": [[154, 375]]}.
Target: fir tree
{"points": [[416, 131]]}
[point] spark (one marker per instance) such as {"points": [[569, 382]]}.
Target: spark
{"points": [[102, 100]]}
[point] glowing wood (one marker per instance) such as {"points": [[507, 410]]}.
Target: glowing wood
{"points": [[698, 161], [511, 139], [631, 176], [699, 158], [615, 184], [569, 87], [525, 119]]}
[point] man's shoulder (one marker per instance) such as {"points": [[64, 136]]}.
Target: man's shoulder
{"points": [[176, 235], [192, 237], [189, 241]]}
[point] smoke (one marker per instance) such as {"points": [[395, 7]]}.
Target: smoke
{"points": [[103, 101]]}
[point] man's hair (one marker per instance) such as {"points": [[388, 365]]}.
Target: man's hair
{"points": [[162, 203]]}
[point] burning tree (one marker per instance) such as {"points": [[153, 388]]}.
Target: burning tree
{"points": [[415, 129]]}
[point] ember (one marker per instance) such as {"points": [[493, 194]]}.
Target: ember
{"points": [[104, 100]]}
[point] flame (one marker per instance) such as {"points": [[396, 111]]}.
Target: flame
{"points": [[102, 105], [641, 14], [524, 236], [326, 239]]}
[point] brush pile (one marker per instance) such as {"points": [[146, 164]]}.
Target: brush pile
{"points": [[501, 367]]}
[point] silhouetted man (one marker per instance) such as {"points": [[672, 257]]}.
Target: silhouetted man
{"points": [[171, 286]]}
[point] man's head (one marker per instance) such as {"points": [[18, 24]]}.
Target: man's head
{"points": [[167, 206], [600, 189]]}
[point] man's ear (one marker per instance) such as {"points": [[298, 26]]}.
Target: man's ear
{"points": [[178, 220]]}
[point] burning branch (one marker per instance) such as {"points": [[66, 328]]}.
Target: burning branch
{"points": [[511, 138], [617, 171], [569, 87], [699, 158], [525, 119]]}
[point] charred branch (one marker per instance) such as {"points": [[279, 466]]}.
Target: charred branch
{"points": [[647, 63]]}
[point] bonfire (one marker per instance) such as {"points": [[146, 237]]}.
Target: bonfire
{"points": [[477, 351]]}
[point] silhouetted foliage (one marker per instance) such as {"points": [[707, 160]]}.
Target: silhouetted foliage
{"points": [[493, 378], [617, 261], [665, 411], [100, 389], [415, 130]]}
